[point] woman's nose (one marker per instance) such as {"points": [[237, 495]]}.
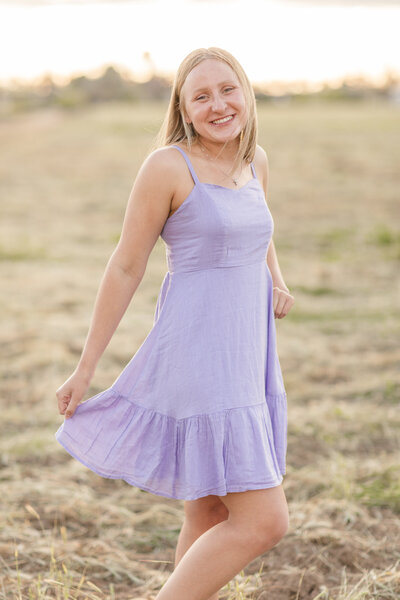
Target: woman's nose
{"points": [[218, 103]]}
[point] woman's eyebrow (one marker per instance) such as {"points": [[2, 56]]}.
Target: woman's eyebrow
{"points": [[201, 89]]}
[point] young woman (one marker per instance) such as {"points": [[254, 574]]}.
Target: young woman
{"points": [[199, 413]]}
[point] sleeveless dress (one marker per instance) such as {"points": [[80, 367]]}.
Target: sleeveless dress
{"points": [[201, 406]]}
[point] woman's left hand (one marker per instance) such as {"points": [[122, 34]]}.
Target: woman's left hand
{"points": [[282, 302]]}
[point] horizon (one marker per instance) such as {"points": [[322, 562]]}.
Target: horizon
{"points": [[271, 86]]}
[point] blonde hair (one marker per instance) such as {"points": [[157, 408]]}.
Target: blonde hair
{"points": [[175, 128]]}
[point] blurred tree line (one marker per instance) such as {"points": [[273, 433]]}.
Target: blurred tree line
{"points": [[114, 86]]}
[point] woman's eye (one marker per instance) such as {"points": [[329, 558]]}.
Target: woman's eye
{"points": [[227, 89]]}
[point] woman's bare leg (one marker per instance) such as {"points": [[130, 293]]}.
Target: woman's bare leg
{"points": [[257, 520], [200, 516]]}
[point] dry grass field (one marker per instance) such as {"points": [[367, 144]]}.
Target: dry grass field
{"points": [[67, 533]]}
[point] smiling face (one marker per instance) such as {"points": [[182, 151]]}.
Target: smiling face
{"points": [[214, 101]]}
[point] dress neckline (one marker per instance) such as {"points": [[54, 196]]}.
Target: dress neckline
{"points": [[226, 188], [214, 185]]}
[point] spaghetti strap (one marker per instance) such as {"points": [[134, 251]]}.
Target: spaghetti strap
{"points": [[192, 171], [189, 164]]}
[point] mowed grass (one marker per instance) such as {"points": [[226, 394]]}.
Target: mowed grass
{"points": [[65, 178]]}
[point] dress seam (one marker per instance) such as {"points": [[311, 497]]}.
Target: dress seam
{"points": [[207, 414], [257, 262]]}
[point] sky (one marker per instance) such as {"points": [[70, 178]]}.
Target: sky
{"points": [[275, 40]]}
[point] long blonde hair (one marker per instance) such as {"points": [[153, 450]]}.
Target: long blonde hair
{"points": [[175, 128]]}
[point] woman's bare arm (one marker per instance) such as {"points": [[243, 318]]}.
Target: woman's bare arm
{"points": [[147, 210], [273, 265], [283, 300]]}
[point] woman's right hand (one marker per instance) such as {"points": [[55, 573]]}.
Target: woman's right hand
{"points": [[70, 393]]}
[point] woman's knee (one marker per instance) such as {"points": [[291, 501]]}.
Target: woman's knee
{"points": [[261, 515], [270, 532], [265, 531]]}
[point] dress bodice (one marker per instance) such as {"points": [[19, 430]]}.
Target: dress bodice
{"points": [[217, 226]]}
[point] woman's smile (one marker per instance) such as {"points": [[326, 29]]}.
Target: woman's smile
{"points": [[222, 120]]}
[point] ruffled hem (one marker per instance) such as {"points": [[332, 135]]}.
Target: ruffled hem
{"points": [[231, 450]]}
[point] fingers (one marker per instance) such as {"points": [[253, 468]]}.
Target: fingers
{"points": [[63, 399], [282, 302], [70, 394], [75, 399], [67, 402]]}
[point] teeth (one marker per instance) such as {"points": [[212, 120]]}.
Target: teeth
{"points": [[223, 120]]}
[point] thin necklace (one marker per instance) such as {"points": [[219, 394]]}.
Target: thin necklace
{"points": [[234, 179]]}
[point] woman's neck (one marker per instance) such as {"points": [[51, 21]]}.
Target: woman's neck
{"points": [[225, 151]]}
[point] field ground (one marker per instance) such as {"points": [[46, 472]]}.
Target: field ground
{"points": [[67, 533]]}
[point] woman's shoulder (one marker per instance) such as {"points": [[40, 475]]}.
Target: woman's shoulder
{"points": [[166, 152], [261, 164], [260, 156], [164, 165], [165, 159]]}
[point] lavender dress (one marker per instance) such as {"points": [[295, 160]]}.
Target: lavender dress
{"points": [[201, 407]]}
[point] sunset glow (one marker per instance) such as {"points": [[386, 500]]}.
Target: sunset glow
{"points": [[274, 40]]}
